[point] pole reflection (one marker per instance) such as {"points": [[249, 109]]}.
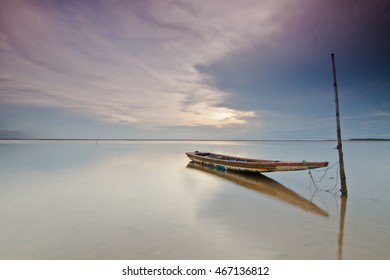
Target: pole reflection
{"points": [[343, 210]]}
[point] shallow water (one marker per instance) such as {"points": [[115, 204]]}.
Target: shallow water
{"points": [[141, 200]]}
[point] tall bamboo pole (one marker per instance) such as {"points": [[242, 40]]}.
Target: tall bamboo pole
{"points": [[343, 180]]}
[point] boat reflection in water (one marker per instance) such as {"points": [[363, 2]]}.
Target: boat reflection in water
{"points": [[263, 184]]}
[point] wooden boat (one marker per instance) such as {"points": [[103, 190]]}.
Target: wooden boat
{"points": [[262, 184], [253, 165]]}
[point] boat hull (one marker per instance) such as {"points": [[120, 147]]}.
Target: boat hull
{"points": [[220, 161]]}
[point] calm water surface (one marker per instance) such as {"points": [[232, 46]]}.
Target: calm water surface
{"points": [[142, 200]]}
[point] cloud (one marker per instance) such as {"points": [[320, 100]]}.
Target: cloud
{"points": [[128, 61], [383, 114]]}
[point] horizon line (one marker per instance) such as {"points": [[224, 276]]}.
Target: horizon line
{"points": [[181, 139]]}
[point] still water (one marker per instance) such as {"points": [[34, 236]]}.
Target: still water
{"points": [[143, 200]]}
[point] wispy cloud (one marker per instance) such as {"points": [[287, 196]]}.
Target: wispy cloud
{"points": [[128, 61], [384, 114]]}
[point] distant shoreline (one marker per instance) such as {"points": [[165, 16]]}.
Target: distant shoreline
{"points": [[368, 139], [188, 140]]}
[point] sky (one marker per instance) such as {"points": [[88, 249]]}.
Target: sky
{"points": [[182, 69]]}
